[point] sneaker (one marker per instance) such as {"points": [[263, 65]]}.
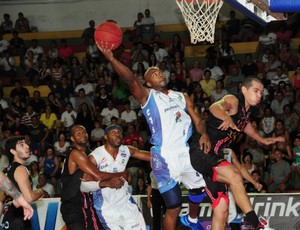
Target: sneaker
{"points": [[238, 219], [264, 224], [194, 226]]}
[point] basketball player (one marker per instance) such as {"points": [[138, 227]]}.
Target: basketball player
{"points": [[169, 114], [77, 207], [228, 118], [116, 208]]}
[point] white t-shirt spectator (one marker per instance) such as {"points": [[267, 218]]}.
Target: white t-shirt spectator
{"points": [[66, 118]]}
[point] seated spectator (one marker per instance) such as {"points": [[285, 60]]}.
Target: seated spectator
{"points": [[216, 72], [97, 135], [286, 57], [128, 116], [109, 112], [119, 94], [34, 172], [83, 98], [32, 67], [176, 84], [279, 175], [37, 103], [20, 90], [88, 32], [6, 26], [141, 187], [65, 52], [247, 163], [180, 71], [49, 165], [44, 76], [34, 150], [197, 96], [4, 162], [38, 132], [266, 40], [148, 23], [136, 49], [291, 120], [68, 118], [22, 24], [76, 68], [53, 54], [37, 50], [85, 117], [234, 80], [296, 161], [208, 84], [249, 68], [92, 52], [140, 59], [278, 103], [196, 73], [277, 78], [160, 53], [267, 122], [49, 119], [17, 107], [153, 60], [55, 104], [250, 187], [4, 44], [57, 71], [7, 67], [18, 128], [43, 184], [61, 147], [280, 130], [218, 92]]}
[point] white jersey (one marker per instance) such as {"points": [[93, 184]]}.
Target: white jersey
{"points": [[116, 208], [168, 121]]}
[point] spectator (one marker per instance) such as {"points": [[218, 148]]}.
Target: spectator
{"points": [[18, 128], [17, 107], [267, 40], [280, 174], [232, 26], [85, 117], [233, 81], [196, 73], [128, 116], [277, 78], [247, 163], [61, 147], [250, 187], [141, 187], [37, 50], [37, 103], [133, 137], [7, 67], [175, 83], [279, 130], [165, 71], [148, 23], [34, 171], [291, 120], [75, 68], [92, 52], [176, 46], [267, 122], [64, 90], [218, 92], [250, 67], [97, 135], [7, 25], [49, 119], [44, 76], [22, 24], [208, 84], [212, 53], [34, 151], [160, 53], [295, 80], [108, 112], [248, 29], [83, 98], [138, 24], [65, 52], [55, 104], [68, 118], [4, 44], [140, 59], [87, 86], [43, 184], [53, 54], [216, 72], [88, 32], [17, 47], [4, 162], [57, 72], [32, 66], [286, 56], [197, 96], [278, 103], [296, 162], [227, 56]]}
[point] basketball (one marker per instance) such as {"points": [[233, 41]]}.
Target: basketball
{"points": [[108, 35]]}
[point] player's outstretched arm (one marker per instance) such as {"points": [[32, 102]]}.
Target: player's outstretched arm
{"points": [[137, 89], [139, 154]]}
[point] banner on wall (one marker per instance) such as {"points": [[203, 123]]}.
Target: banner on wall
{"points": [[283, 211]]}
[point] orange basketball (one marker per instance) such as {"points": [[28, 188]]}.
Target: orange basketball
{"points": [[108, 35]]}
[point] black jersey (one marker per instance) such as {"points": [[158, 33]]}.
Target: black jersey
{"points": [[221, 139]]}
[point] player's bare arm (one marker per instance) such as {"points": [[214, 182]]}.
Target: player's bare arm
{"points": [[78, 159], [223, 109], [136, 88], [204, 141], [7, 186], [139, 154], [22, 179]]}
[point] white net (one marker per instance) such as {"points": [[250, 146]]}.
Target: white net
{"points": [[200, 17]]}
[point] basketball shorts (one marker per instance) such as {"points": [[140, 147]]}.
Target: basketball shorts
{"points": [[14, 219], [216, 191], [173, 166]]}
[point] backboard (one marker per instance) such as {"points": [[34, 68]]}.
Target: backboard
{"points": [[258, 10]]}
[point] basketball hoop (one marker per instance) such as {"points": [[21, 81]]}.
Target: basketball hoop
{"points": [[200, 17]]}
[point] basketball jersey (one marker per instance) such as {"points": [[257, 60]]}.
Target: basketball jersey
{"points": [[106, 198], [221, 139], [168, 121]]}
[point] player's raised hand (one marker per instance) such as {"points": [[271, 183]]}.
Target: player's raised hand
{"points": [[105, 48]]}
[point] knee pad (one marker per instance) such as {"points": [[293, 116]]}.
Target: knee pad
{"points": [[172, 197], [196, 195]]}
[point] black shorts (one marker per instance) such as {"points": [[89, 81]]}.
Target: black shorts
{"points": [[215, 191], [14, 219], [77, 217]]}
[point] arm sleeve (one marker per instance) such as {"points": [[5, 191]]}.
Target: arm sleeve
{"points": [[89, 186]]}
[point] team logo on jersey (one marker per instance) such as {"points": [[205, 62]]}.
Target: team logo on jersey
{"points": [[103, 160], [178, 117], [103, 166]]}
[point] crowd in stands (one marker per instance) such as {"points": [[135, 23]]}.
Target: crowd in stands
{"points": [[88, 92]]}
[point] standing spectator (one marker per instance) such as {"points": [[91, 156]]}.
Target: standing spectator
{"points": [[138, 24], [88, 32], [22, 24], [280, 174], [148, 23], [92, 52], [232, 26], [7, 25]]}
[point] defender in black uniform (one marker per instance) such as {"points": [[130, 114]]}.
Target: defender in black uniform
{"points": [[229, 117]]}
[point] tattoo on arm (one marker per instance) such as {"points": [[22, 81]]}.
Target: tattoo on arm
{"points": [[7, 186]]}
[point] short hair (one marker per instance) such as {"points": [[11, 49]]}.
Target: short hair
{"points": [[248, 81], [247, 154], [255, 171], [11, 143]]}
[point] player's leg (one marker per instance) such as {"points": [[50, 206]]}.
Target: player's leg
{"points": [[172, 199]]}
